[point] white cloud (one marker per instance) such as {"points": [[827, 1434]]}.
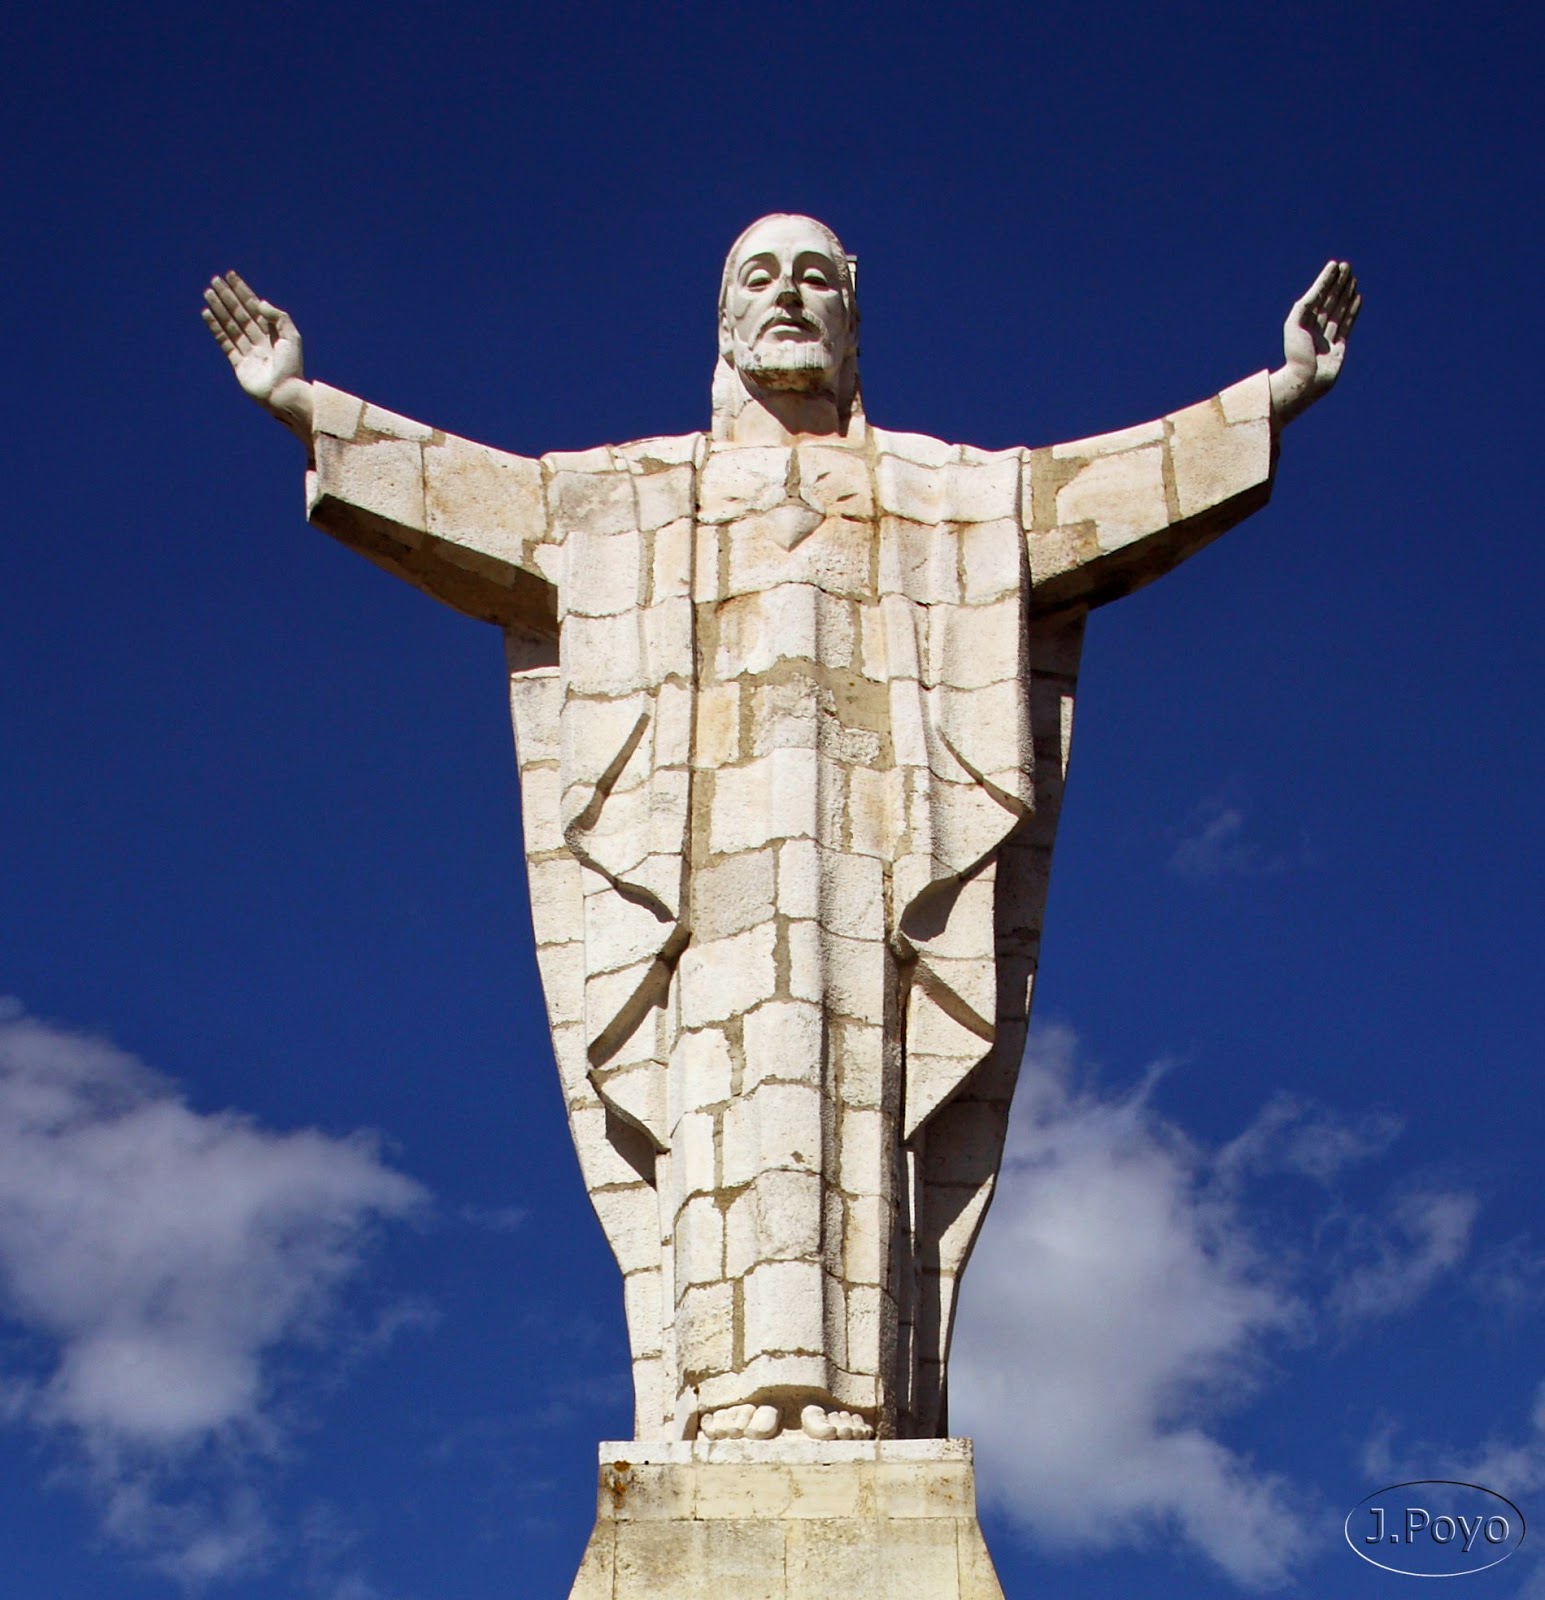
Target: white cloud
{"points": [[1111, 1303], [1119, 1302], [160, 1257]]}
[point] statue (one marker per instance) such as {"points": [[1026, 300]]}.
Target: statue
{"points": [[792, 704]]}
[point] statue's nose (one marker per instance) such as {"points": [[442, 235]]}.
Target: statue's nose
{"points": [[788, 292]]}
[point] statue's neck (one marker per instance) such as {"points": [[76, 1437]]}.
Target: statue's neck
{"points": [[749, 413], [771, 415]]}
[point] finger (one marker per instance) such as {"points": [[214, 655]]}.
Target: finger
{"points": [[1330, 292], [1345, 287], [1350, 294], [1342, 310], [220, 315], [243, 330], [226, 297], [240, 300], [239, 285], [250, 302], [1316, 290], [281, 322], [215, 304], [1347, 310], [221, 337]]}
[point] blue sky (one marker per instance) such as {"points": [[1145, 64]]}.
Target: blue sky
{"points": [[300, 1293]]}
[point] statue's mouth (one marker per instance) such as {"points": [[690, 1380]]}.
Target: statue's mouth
{"points": [[784, 322]]}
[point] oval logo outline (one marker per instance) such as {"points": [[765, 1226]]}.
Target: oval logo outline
{"points": [[1420, 1483]]}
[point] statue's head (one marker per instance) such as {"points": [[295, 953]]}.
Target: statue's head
{"points": [[788, 316]]}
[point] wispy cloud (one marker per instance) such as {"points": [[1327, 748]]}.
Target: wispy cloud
{"points": [[1392, 1261], [496, 1219], [159, 1257], [1293, 1135], [1130, 1288], [1512, 1466], [1217, 846]]}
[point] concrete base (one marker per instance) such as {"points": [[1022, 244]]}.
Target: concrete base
{"points": [[787, 1519]]}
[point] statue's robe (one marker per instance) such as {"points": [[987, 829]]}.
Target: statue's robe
{"points": [[793, 725]]}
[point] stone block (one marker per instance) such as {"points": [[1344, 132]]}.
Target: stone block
{"points": [[835, 480], [699, 1238], [992, 555], [334, 412], [1106, 444], [735, 482], [671, 561], [705, 1317], [782, 1040], [603, 655], [725, 978], [783, 1309], [1123, 495], [378, 419], [601, 574], [757, 631], [701, 1073], [799, 882], [384, 478], [1213, 459], [732, 895], [484, 501], [717, 738], [662, 497]]}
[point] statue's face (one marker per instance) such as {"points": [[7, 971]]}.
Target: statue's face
{"points": [[785, 319]]}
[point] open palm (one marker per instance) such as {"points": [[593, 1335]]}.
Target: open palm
{"points": [[1314, 339], [262, 344]]}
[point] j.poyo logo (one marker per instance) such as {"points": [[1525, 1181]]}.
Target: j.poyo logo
{"points": [[1435, 1528]]}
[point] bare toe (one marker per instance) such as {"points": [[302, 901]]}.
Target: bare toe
{"points": [[764, 1424], [815, 1422]]}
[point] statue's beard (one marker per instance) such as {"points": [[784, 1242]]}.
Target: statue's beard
{"points": [[808, 365]]}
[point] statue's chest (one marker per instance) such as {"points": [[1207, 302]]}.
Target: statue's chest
{"points": [[769, 516]]}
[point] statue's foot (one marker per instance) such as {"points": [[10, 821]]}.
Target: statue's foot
{"points": [[740, 1422], [822, 1424]]}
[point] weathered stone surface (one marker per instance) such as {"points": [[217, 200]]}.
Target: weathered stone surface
{"points": [[788, 1519]]}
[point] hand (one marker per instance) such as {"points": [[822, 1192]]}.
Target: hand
{"points": [[1314, 341], [264, 347]]}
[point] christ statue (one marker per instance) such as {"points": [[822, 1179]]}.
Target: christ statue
{"points": [[792, 702]]}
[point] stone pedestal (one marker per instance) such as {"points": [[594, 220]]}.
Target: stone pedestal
{"points": [[787, 1519]]}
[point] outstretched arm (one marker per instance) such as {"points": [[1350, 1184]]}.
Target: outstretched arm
{"points": [[1111, 513], [461, 521]]}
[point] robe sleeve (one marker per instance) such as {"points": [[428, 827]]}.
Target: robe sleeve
{"points": [[463, 522], [1114, 512]]}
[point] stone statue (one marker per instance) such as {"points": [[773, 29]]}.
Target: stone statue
{"points": [[792, 705]]}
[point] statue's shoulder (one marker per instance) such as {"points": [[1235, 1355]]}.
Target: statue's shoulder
{"points": [[638, 456], [927, 480], [923, 450]]}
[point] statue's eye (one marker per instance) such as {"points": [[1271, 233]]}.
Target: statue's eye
{"points": [[757, 278], [816, 278]]}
